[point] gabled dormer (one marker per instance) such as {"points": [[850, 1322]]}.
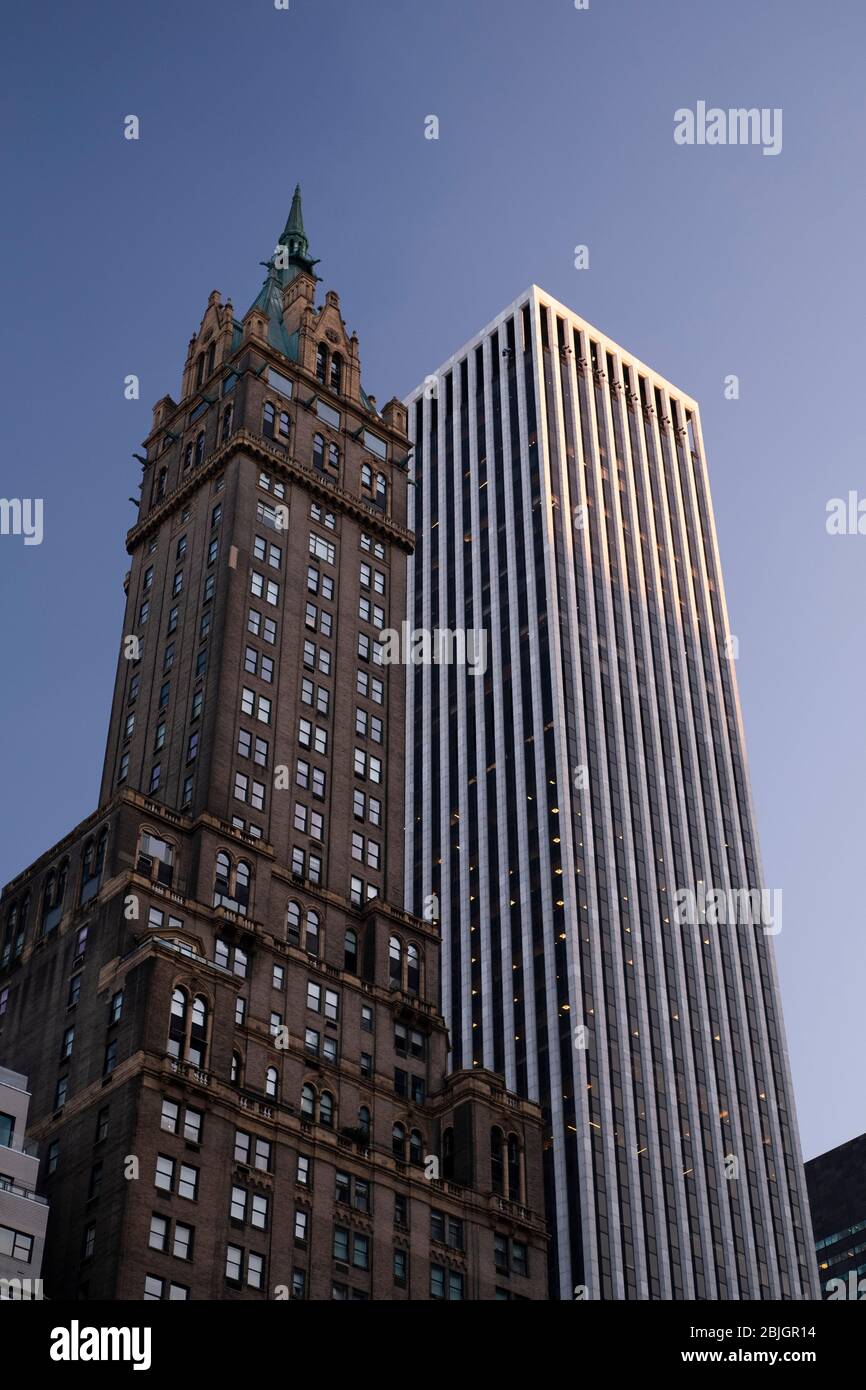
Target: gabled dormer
{"points": [[328, 353], [210, 346]]}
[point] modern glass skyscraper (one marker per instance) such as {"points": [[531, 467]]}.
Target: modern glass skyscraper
{"points": [[564, 802]]}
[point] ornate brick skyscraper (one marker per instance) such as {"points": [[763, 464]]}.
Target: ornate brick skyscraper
{"points": [[238, 1075]]}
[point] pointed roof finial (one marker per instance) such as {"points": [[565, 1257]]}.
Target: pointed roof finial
{"points": [[296, 255], [295, 224]]}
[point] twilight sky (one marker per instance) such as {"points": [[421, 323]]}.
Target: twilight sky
{"points": [[556, 129]]}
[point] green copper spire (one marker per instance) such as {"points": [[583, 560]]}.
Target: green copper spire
{"points": [[295, 224], [296, 243], [290, 256]]}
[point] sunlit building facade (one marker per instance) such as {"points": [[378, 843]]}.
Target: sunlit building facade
{"points": [[556, 803]]}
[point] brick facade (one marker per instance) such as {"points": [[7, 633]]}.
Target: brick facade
{"points": [[243, 991]]}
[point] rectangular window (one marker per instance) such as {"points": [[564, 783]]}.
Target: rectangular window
{"points": [[170, 1116], [234, 1264], [192, 1125], [182, 1243], [187, 1186], [376, 445], [322, 549], [328, 414], [158, 1238], [259, 1212], [301, 1227], [341, 1244], [279, 382], [164, 1177]]}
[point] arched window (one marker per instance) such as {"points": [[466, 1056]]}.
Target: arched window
{"points": [[272, 1083], [18, 940], [513, 1168], [235, 1075], [177, 1023], [199, 448], [416, 1148], [350, 951], [87, 864], [333, 456], [199, 374], [413, 968], [155, 858], [308, 1101], [366, 477], [326, 1109], [211, 358], [242, 887], [284, 424], [497, 1161], [222, 883], [398, 1141], [187, 1028], [232, 884], [395, 962], [268, 422], [92, 865], [53, 894], [312, 943], [187, 456], [227, 422], [364, 1121], [337, 373], [197, 1048], [448, 1153], [159, 492], [380, 498], [322, 363], [318, 451], [293, 924], [10, 934], [101, 846]]}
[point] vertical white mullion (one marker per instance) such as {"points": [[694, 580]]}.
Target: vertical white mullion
{"points": [[410, 810], [571, 914], [427, 783], [524, 901], [536, 659], [596, 824], [482, 883], [460, 792], [435, 674], [502, 888]]}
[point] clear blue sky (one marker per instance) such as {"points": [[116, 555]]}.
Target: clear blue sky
{"points": [[556, 129]]}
